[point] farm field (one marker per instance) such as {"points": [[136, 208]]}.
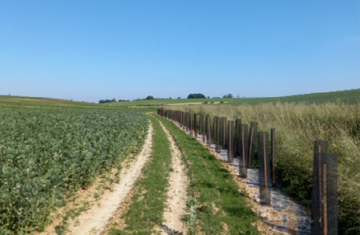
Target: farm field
{"points": [[209, 189], [347, 96], [69, 160], [297, 126], [84, 167], [179, 118], [42, 103], [46, 156]]}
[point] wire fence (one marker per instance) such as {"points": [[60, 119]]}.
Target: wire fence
{"points": [[255, 149]]}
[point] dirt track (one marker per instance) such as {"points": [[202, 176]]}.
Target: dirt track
{"points": [[176, 193], [94, 220]]}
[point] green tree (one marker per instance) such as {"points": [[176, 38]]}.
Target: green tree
{"points": [[196, 96], [150, 97]]}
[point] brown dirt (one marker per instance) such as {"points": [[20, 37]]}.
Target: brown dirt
{"points": [[176, 194], [94, 220], [117, 221]]}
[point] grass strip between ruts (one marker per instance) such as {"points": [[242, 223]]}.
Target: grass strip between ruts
{"points": [[145, 213], [222, 208]]}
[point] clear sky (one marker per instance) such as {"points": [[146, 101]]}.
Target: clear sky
{"points": [[90, 50]]}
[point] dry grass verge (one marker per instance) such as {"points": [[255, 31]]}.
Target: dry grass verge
{"points": [[297, 126]]}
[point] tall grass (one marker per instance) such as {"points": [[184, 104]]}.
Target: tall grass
{"points": [[297, 126]]}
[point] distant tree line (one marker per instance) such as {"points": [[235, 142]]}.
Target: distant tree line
{"points": [[106, 101], [196, 96], [150, 97], [110, 101], [228, 96]]}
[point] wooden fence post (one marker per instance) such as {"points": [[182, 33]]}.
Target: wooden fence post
{"points": [[244, 151], [230, 157], [218, 135], [214, 131], [324, 211], [208, 127], [252, 142], [264, 169], [181, 120], [203, 128], [195, 125], [236, 146], [273, 163], [191, 124], [200, 124], [224, 133]]}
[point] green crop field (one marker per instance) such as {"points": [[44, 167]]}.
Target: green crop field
{"points": [[46, 155], [348, 96], [35, 103]]}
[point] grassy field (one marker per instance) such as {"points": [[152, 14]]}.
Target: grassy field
{"points": [[348, 96], [297, 126], [25, 121]]}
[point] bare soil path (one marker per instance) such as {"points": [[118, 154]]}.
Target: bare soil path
{"points": [[94, 220], [176, 193]]}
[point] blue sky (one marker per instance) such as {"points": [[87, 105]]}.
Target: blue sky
{"points": [[90, 50]]}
